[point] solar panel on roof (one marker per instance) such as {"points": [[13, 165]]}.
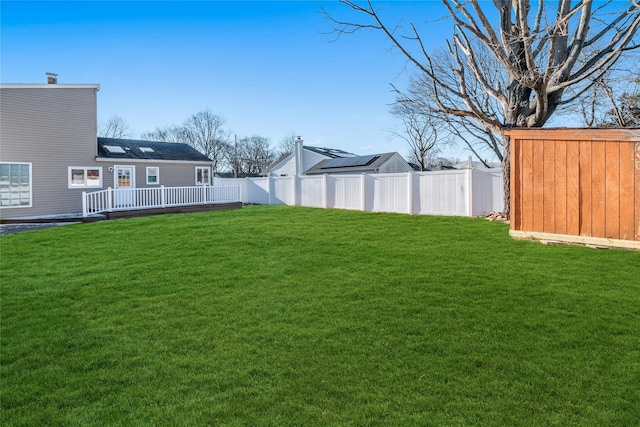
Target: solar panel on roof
{"points": [[349, 162]]}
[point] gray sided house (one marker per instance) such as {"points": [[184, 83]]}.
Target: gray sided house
{"points": [[147, 164], [49, 153]]}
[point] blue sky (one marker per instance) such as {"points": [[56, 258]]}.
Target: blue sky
{"points": [[267, 67]]}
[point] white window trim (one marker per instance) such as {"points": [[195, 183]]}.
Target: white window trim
{"points": [[208, 175], [157, 175], [85, 168], [30, 205]]}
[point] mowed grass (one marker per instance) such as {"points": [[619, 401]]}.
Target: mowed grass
{"points": [[282, 316]]}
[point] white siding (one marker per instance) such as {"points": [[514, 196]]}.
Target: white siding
{"points": [[287, 167]]}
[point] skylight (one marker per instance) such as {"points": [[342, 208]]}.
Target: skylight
{"points": [[114, 149], [147, 150]]}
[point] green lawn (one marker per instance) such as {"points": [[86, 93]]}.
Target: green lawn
{"points": [[277, 316]]}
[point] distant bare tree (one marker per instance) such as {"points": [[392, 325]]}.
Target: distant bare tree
{"points": [[286, 145], [249, 155], [163, 134], [420, 132], [614, 100], [475, 138], [115, 127], [626, 112], [204, 131]]}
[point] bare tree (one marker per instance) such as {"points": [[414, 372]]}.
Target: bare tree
{"points": [[613, 100], [255, 154], [626, 111], [249, 155], [204, 131], [476, 138], [286, 145], [166, 134], [420, 132], [541, 51], [472, 134], [115, 127]]}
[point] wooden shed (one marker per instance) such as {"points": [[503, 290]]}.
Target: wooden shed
{"points": [[576, 185]]}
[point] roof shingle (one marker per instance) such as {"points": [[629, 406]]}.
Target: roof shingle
{"points": [[136, 149]]}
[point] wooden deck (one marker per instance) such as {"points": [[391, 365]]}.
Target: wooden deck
{"points": [[122, 214], [173, 209]]}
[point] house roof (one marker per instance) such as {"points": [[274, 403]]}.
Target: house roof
{"points": [[329, 152], [351, 164], [469, 164], [233, 175], [114, 148]]}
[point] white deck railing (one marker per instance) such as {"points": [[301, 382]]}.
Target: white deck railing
{"points": [[110, 200]]}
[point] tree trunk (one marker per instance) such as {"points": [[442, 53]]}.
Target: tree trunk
{"points": [[506, 175]]}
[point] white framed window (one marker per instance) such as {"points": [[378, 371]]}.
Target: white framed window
{"points": [[203, 175], [15, 185], [84, 177], [153, 175]]}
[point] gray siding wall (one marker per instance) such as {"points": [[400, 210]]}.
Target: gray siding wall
{"points": [[395, 164], [171, 174], [52, 127]]}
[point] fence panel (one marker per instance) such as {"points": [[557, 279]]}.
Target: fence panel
{"points": [[488, 194], [257, 190], [347, 192], [223, 194], [390, 192], [312, 191], [282, 190], [432, 193], [441, 193]]}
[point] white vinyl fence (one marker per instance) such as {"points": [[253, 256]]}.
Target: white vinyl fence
{"points": [[467, 192]]}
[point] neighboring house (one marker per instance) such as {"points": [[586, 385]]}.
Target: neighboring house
{"points": [[303, 158], [373, 163], [233, 175], [49, 152], [471, 164], [306, 160]]}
